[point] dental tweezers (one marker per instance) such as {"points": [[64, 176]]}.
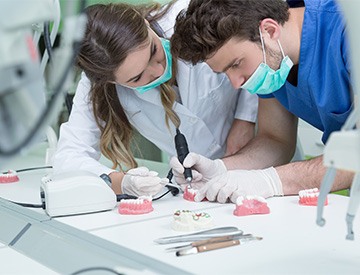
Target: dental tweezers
{"points": [[239, 236], [201, 235]]}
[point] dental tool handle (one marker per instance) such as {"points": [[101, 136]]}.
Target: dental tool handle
{"points": [[218, 245], [212, 240], [182, 151], [324, 191], [353, 206]]}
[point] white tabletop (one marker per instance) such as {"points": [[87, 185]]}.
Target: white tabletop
{"points": [[13, 262], [292, 242]]}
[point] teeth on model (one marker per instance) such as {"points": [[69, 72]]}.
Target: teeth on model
{"points": [[11, 176], [137, 206], [250, 205], [240, 200], [309, 196]]}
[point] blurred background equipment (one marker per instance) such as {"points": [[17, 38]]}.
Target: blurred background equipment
{"points": [[342, 150], [29, 102]]}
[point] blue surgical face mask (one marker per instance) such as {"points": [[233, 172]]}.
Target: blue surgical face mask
{"points": [[164, 77], [265, 80]]}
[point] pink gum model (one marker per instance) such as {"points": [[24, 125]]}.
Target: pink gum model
{"points": [[251, 205], [310, 197], [141, 205], [10, 177], [189, 194]]}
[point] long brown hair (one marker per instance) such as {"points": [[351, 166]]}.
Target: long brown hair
{"points": [[112, 32]]}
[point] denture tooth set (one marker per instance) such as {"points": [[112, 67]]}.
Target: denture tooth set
{"points": [[250, 205], [310, 197], [9, 177], [141, 205], [186, 220]]}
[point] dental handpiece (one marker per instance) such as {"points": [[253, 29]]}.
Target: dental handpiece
{"points": [[182, 151]]}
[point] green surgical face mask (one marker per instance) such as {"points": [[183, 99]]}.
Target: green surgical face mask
{"points": [[265, 80], [164, 77]]}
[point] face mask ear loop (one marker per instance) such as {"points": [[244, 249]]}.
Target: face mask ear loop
{"points": [[262, 45], [166, 59], [281, 49]]}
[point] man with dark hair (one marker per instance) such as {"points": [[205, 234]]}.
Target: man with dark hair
{"points": [[296, 58]]}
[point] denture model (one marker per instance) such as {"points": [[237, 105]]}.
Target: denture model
{"points": [[310, 197], [186, 220], [189, 194], [141, 205], [10, 177], [251, 205]]}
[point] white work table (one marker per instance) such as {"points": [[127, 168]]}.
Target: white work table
{"points": [[13, 262], [292, 242]]}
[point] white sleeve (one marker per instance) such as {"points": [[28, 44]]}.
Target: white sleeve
{"points": [[247, 106], [167, 22], [78, 146]]}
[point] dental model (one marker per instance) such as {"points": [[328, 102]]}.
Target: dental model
{"points": [[189, 194], [186, 220], [310, 197], [10, 177], [251, 205], [141, 205]]}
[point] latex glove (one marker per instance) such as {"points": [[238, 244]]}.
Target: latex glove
{"points": [[234, 183], [203, 169], [142, 182]]}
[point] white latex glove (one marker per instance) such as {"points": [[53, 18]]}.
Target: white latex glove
{"points": [[142, 182], [234, 183], [203, 169]]}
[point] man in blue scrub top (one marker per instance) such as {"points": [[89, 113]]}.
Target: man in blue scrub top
{"points": [[295, 56]]}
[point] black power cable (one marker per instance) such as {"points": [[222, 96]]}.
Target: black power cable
{"points": [[47, 40]]}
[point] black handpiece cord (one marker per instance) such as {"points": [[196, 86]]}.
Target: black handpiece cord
{"points": [[174, 191], [182, 151]]}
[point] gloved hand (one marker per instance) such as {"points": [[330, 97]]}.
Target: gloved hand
{"points": [[142, 182], [234, 183], [203, 169]]}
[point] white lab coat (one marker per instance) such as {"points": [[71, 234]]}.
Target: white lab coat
{"points": [[207, 105]]}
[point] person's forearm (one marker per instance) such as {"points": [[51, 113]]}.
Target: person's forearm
{"points": [[116, 179], [300, 175], [260, 152], [240, 134]]}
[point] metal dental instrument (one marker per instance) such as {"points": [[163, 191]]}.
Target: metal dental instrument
{"points": [[353, 206], [324, 191], [201, 235], [182, 151], [213, 246], [209, 241]]}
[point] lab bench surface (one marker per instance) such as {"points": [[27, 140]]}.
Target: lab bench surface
{"points": [[13, 262], [292, 242]]}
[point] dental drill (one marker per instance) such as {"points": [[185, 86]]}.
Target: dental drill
{"points": [[182, 151]]}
